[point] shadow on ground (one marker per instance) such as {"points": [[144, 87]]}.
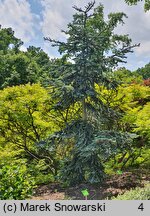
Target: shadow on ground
{"points": [[113, 186]]}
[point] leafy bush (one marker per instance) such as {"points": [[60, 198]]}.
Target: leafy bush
{"points": [[143, 121], [15, 182], [136, 194], [40, 171]]}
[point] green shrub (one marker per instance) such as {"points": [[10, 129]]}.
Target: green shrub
{"points": [[40, 172], [15, 182], [135, 194]]}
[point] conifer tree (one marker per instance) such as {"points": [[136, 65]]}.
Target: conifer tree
{"points": [[89, 55]]}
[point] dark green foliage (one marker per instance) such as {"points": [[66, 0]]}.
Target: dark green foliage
{"points": [[144, 72], [20, 68], [72, 131], [95, 50], [123, 75], [15, 70], [40, 63], [146, 3], [91, 149], [17, 67], [8, 40], [83, 163]]}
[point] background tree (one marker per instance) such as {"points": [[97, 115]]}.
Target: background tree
{"points": [[131, 100], [146, 3], [95, 50], [143, 122], [40, 61], [144, 72], [17, 67], [123, 75], [25, 119], [8, 40]]}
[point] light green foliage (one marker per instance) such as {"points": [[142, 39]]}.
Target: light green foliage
{"points": [[40, 171], [132, 102], [135, 194], [15, 182], [144, 159], [143, 121], [8, 153], [26, 118], [128, 99], [135, 107]]}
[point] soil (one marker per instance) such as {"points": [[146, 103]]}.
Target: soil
{"points": [[113, 186]]}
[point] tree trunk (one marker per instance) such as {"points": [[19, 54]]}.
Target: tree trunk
{"points": [[84, 111]]}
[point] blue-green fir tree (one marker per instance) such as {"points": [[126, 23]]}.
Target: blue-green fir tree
{"points": [[89, 55]]}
